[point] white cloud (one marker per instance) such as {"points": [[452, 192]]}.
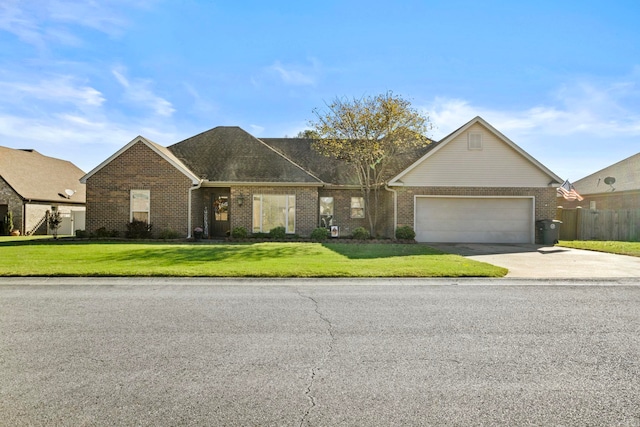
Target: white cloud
{"points": [[256, 130], [139, 93], [82, 138], [42, 22], [53, 89], [99, 15], [295, 74], [580, 109], [62, 115], [15, 20], [62, 130], [200, 106], [583, 128]]}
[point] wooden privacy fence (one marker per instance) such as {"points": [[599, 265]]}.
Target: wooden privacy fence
{"points": [[586, 224]]}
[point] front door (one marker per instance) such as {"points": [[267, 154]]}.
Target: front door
{"points": [[220, 214]]}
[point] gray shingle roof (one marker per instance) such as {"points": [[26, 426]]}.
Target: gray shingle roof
{"points": [[300, 150], [331, 170], [626, 173], [41, 178], [229, 154]]}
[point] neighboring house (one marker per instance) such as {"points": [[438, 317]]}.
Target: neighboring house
{"points": [[32, 185], [474, 185], [612, 188]]}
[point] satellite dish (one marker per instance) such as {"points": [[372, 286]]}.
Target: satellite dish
{"points": [[609, 180], [70, 193]]}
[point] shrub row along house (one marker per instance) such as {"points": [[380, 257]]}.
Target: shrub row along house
{"points": [[475, 185]]}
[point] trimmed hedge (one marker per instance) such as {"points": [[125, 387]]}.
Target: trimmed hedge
{"points": [[239, 233], [278, 233], [405, 233], [320, 234], [360, 233]]}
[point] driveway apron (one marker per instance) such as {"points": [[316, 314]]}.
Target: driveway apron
{"points": [[553, 262]]}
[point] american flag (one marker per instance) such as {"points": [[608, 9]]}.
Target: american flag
{"points": [[568, 191]]}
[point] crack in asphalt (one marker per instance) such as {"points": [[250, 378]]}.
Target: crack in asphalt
{"points": [[314, 371]]}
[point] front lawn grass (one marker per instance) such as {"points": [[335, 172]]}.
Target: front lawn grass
{"points": [[620, 248], [74, 258]]}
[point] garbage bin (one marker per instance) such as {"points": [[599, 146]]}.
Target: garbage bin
{"points": [[549, 230]]}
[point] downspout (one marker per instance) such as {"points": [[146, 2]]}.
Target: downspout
{"points": [[196, 187], [395, 208], [23, 226]]}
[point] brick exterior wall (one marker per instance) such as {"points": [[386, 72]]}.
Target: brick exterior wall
{"points": [[138, 168], [306, 206], [545, 199], [385, 215], [197, 208], [342, 211], [14, 204]]}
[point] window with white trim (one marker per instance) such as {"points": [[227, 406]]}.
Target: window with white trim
{"points": [[357, 207], [274, 210], [140, 205], [475, 141]]}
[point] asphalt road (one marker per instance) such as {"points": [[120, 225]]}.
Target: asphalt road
{"points": [[319, 352]]}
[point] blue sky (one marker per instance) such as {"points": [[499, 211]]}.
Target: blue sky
{"points": [[80, 79]]}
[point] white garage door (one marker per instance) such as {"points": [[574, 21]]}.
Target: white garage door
{"points": [[474, 220]]}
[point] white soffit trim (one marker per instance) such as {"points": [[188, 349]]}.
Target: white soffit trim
{"points": [[153, 146], [396, 181], [214, 184]]}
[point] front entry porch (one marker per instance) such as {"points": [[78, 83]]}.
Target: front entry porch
{"points": [[217, 213]]}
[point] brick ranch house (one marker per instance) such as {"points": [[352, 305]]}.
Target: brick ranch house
{"points": [[475, 185]]}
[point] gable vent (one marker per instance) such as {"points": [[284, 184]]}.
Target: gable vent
{"points": [[475, 141]]}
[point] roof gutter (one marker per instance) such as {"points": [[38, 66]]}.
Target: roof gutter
{"points": [[195, 187], [258, 184]]}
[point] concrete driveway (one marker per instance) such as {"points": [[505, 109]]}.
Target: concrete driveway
{"points": [[554, 262]]}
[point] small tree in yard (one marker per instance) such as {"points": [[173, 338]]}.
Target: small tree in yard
{"points": [[54, 221], [366, 133]]}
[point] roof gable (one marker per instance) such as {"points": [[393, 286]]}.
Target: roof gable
{"points": [[227, 154], [626, 174], [497, 162], [34, 176], [158, 149]]}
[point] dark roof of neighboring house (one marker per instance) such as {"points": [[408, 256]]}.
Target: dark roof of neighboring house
{"points": [[626, 174], [34, 176], [230, 154]]}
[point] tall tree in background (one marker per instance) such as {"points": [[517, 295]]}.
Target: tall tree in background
{"points": [[366, 133], [308, 134]]}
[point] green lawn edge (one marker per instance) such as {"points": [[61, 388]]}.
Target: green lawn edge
{"points": [[613, 247], [73, 258]]}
